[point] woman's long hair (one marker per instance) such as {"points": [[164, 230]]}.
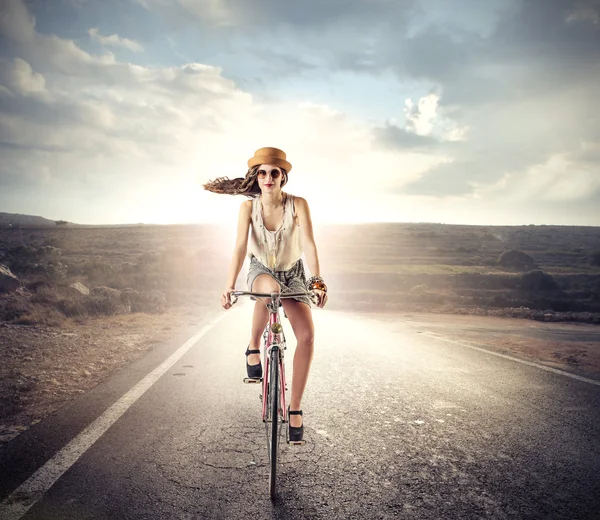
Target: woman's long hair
{"points": [[247, 185]]}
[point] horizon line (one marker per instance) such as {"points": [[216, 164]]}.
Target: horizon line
{"points": [[315, 224]]}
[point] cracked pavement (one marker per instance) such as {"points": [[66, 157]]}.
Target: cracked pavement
{"points": [[398, 425]]}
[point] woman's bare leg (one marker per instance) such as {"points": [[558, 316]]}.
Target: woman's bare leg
{"points": [[300, 317], [263, 284]]}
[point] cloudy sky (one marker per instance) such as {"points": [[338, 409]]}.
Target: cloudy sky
{"points": [[453, 111]]}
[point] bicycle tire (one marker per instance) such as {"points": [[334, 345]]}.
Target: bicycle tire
{"points": [[273, 404]]}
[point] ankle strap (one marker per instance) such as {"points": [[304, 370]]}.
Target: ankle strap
{"points": [[295, 412], [252, 351]]}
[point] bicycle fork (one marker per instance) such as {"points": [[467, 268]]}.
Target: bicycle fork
{"points": [[273, 342]]}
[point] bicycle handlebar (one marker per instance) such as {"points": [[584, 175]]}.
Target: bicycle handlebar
{"points": [[273, 296]]}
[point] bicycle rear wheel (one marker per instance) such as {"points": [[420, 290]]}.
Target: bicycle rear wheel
{"points": [[273, 425]]}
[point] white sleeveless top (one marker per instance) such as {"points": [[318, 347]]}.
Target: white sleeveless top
{"points": [[278, 250]]}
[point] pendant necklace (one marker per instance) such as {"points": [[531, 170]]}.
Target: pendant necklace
{"points": [[274, 249]]}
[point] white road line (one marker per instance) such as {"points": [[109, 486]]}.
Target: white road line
{"points": [[28, 493], [530, 363]]}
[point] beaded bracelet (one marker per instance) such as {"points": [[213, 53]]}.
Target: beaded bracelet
{"points": [[314, 279], [319, 285], [316, 282]]}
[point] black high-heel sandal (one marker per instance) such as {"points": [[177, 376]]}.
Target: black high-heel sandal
{"points": [[254, 371], [296, 432]]}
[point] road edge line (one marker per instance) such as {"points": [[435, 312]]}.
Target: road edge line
{"points": [[15, 505], [525, 362]]}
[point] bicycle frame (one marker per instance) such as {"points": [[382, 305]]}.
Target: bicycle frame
{"points": [[273, 342], [273, 339]]}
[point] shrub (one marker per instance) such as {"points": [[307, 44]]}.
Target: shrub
{"points": [[594, 258], [41, 261], [73, 307], [54, 272], [537, 280], [516, 259], [97, 269], [104, 300], [45, 294], [41, 315], [15, 307], [145, 301], [68, 302]]}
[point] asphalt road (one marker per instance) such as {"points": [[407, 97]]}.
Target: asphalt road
{"points": [[398, 425]]}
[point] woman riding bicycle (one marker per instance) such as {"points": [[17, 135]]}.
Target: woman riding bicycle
{"points": [[280, 231]]}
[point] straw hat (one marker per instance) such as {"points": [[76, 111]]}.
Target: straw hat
{"points": [[270, 155]]}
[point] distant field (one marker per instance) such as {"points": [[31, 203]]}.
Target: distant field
{"points": [[428, 266], [388, 246], [434, 267], [341, 266]]}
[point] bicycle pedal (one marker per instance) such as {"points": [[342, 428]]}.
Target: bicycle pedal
{"points": [[252, 380], [296, 443]]}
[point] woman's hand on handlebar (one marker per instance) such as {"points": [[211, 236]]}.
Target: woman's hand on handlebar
{"points": [[226, 297], [321, 296]]}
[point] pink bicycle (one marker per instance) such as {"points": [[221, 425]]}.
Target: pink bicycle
{"points": [[274, 410]]}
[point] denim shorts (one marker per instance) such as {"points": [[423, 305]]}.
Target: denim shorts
{"points": [[292, 280]]}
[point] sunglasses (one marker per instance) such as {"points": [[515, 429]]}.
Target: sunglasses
{"points": [[274, 174]]}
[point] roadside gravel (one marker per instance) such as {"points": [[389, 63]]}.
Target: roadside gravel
{"points": [[43, 367]]}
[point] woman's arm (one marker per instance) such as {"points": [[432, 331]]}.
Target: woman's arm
{"points": [[239, 251], [308, 239], [308, 242], [241, 243]]}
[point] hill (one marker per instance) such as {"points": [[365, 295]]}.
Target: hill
{"points": [[16, 219], [8, 220]]}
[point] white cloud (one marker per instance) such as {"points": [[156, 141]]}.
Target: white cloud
{"points": [[15, 21], [18, 77], [115, 128], [513, 78], [424, 118], [557, 180], [115, 40], [420, 116], [96, 129], [458, 133], [45, 52]]}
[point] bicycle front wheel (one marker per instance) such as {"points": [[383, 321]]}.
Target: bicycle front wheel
{"points": [[273, 432]]}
